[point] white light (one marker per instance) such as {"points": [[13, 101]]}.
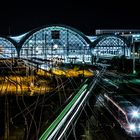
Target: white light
{"points": [[132, 127], [135, 114], [37, 48], [55, 46]]}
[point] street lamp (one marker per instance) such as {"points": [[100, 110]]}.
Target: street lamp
{"points": [[134, 71], [83, 67]]}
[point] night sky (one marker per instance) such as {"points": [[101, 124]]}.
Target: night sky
{"points": [[17, 17]]}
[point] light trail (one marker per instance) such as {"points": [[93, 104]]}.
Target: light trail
{"points": [[55, 127], [80, 105], [46, 134]]}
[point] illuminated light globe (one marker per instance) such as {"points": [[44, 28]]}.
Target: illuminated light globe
{"points": [[55, 46], [135, 114], [132, 127]]}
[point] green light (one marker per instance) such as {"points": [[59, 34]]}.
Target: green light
{"points": [[134, 71], [50, 129]]}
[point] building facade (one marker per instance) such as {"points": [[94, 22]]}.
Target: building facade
{"points": [[68, 45]]}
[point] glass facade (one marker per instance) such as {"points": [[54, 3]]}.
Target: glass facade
{"points": [[65, 44], [57, 43], [7, 49], [110, 46]]}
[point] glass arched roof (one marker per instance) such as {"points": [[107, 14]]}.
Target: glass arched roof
{"points": [[43, 42], [7, 49], [110, 45], [111, 41]]}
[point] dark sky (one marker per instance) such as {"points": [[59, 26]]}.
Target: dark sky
{"points": [[23, 15]]}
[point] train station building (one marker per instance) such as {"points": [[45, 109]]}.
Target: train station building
{"points": [[66, 44]]}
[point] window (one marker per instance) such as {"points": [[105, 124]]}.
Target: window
{"points": [[55, 34]]}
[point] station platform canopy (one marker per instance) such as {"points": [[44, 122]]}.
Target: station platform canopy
{"points": [[7, 49], [56, 41]]}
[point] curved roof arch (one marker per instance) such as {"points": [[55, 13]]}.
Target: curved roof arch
{"points": [[7, 48], [104, 37], [8, 38], [56, 41], [18, 38], [34, 31]]}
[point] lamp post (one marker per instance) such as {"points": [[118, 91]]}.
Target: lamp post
{"points": [[134, 71], [83, 67]]}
